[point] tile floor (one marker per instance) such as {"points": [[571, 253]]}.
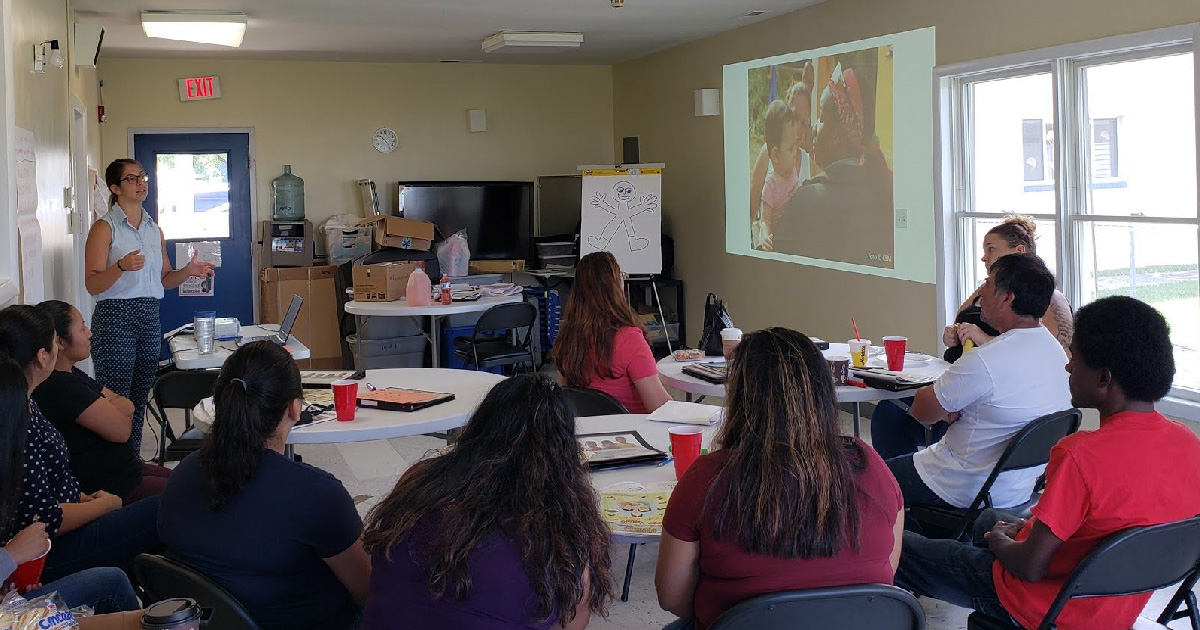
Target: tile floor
{"points": [[370, 469]]}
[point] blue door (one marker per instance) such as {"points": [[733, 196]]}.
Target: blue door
{"points": [[199, 190]]}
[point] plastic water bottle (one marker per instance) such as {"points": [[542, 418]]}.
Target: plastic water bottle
{"points": [[205, 330], [419, 291], [287, 195]]}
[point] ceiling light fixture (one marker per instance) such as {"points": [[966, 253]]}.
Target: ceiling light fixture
{"points": [[222, 28], [532, 39]]}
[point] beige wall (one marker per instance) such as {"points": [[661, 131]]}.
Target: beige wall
{"points": [[42, 105], [653, 99], [319, 117]]}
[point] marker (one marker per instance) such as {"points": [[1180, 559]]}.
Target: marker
{"points": [[666, 461], [853, 383]]}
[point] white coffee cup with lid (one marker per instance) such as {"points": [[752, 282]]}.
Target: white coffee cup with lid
{"points": [[730, 337]]}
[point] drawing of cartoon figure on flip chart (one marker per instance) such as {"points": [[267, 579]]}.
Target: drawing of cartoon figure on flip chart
{"points": [[622, 214], [623, 209]]}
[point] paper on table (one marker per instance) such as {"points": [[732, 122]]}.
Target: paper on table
{"points": [[680, 412]]}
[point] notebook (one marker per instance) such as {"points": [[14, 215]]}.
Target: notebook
{"points": [[402, 399]]}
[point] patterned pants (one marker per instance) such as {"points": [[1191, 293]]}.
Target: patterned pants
{"points": [[126, 340]]}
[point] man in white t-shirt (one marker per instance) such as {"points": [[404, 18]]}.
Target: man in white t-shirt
{"points": [[990, 394]]}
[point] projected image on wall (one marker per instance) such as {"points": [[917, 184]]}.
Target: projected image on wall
{"points": [[817, 143], [820, 178]]}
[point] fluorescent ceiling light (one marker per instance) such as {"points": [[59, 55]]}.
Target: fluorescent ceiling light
{"points": [[530, 39], [204, 27]]}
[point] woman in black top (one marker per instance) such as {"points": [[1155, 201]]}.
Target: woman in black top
{"points": [[94, 421], [88, 530]]}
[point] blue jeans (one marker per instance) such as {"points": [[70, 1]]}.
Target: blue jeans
{"points": [[105, 589], [951, 571], [113, 540], [914, 490], [895, 433]]}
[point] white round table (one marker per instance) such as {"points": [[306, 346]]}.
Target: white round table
{"points": [[655, 433], [671, 373], [434, 312], [469, 388]]}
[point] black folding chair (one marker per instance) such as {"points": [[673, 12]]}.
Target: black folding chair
{"points": [[181, 389], [1185, 596], [1136, 560], [874, 606], [489, 345], [162, 578], [593, 402], [1028, 448]]}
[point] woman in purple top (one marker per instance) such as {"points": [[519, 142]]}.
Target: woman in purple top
{"points": [[500, 532]]}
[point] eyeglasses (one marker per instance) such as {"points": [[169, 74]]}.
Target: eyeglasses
{"points": [[130, 179]]}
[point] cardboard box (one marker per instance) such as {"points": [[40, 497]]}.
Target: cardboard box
{"points": [[495, 266], [401, 233], [385, 282], [317, 324]]}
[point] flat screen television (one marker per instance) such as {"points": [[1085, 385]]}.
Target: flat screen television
{"points": [[498, 216]]}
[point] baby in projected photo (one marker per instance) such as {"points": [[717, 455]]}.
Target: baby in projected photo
{"points": [[787, 149]]}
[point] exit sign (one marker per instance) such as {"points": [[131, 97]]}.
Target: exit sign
{"points": [[199, 88]]}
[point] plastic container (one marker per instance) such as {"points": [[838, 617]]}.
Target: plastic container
{"points": [[398, 352], [205, 331], [287, 196], [446, 291], [419, 291], [180, 613]]}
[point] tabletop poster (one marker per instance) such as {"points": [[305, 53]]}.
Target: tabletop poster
{"points": [[634, 512], [603, 450]]}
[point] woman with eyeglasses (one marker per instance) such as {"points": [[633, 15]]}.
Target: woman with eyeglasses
{"points": [[126, 267]]}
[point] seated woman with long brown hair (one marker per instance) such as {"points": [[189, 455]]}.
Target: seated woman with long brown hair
{"points": [[500, 532], [602, 344], [787, 502]]}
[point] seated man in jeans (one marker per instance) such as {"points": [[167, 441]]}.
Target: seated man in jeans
{"points": [[990, 394], [1137, 469]]}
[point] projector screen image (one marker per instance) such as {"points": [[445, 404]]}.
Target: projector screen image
{"points": [[825, 159]]}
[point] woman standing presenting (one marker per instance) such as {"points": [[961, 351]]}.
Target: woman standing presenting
{"points": [[127, 269]]}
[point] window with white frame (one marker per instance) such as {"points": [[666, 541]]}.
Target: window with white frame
{"points": [[1113, 191]]}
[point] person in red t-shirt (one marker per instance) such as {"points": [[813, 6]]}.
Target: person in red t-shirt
{"points": [[602, 344], [1137, 469], [787, 503]]}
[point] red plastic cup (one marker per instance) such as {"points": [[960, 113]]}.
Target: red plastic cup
{"points": [[27, 573], [345, 399], [685, 446], [895, 347]]}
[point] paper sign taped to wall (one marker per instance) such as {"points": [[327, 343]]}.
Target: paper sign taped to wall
{"points": [[25, 159], [197, 287], [205, 251], [29, 235]]}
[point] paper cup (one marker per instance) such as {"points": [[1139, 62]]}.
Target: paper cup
{"points": [[345, 399], [895, 347], [685, 446], [840, 366], [27, 573], [858, 351], [730, 338]]}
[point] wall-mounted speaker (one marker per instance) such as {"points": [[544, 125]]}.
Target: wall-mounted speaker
{"points": [[630, 151], [88, 38]]}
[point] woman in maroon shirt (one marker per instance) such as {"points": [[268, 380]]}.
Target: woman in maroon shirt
{"points": [[787, 503]]}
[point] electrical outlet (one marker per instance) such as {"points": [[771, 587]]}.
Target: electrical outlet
{"points": [[902, 218]]}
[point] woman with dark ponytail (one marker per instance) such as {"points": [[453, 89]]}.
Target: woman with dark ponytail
{"points": [[104, 589], [94, 420], [501, 532], [281, 536], [88, 530]]}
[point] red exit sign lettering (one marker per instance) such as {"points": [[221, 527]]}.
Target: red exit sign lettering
{"points": [[199, 88]]}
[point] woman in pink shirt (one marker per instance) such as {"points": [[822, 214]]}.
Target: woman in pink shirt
{"points": [[601, 344]]}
